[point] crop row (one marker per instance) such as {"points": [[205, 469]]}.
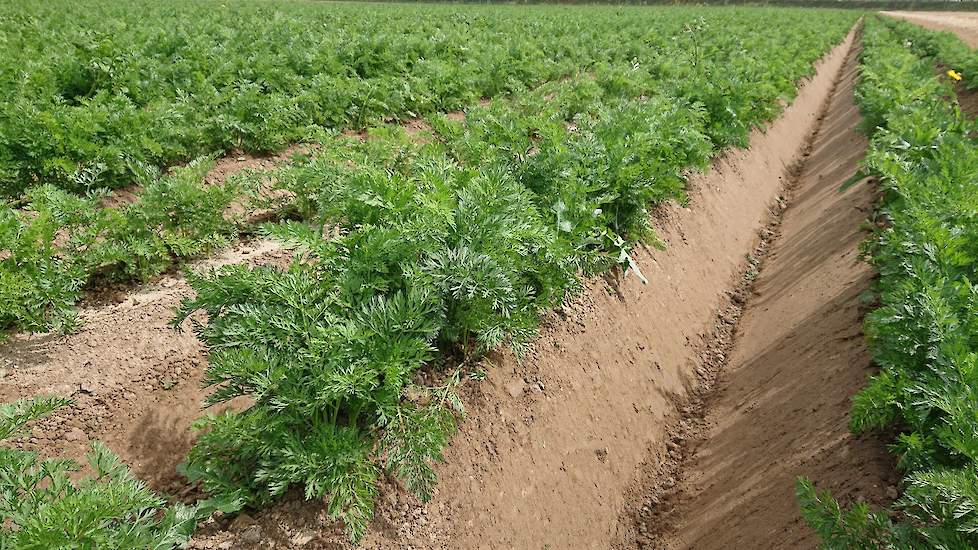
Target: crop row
{"points": [[944, 47], [62, 242], [924, 334], [57, 154]]}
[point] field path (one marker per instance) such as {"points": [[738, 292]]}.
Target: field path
{"points": [[781, 406], [962, 23]]}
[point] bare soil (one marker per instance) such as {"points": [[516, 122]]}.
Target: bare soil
{"points": [[962, 23], [555, 446]]}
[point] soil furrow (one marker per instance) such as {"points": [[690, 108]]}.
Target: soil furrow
{"points": [[780, 406]]}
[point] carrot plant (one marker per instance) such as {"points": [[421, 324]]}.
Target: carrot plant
{"points": [[61, 242], [43, 506]]}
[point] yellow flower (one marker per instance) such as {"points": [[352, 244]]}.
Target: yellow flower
{"points": [[954, 74]]}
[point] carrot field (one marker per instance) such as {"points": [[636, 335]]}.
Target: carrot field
{"points": [[311, 274]]}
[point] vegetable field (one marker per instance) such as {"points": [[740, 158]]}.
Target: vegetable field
{"points": [[439, 189], [136, 119]]}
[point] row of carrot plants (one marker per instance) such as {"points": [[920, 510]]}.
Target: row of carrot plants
{"points": [[55, 238], [51, 250], [924, 333], [94, 89], [945, 47]]}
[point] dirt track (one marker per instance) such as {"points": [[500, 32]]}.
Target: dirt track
{"points": [[555, 447], [962, 23]]}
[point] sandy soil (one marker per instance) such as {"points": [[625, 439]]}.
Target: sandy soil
{"points": [[962, 23], [780, 408], [553, 444]]}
